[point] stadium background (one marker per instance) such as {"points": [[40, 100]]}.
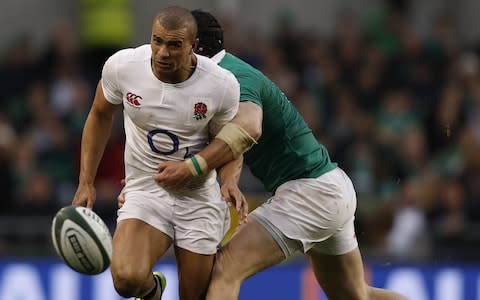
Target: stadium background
{"points": [[391, 87]]}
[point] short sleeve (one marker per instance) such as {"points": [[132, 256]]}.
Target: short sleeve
{"points": [[250, 87], [110, 82], [229, 106]]}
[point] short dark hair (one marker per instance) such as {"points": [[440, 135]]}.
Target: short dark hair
{"points": [[210, 33], [176, 17]]}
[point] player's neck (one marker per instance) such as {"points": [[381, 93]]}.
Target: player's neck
{"points": [[180, 75]]}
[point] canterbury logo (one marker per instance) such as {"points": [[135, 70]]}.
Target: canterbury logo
{"points": [[133, 99]]}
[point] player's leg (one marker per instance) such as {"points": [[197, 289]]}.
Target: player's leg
{"points": [[201, 220], [142, 236], [250, 250], [338, 267], [136, 248], [336, 261], [194, 271], [342, 277]]}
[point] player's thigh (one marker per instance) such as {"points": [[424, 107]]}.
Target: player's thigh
{"points": [[194, 271], [250, 250], [200, 221], [340, 276], [136, 247], [143, 232]]}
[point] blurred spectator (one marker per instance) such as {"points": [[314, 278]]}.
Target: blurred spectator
{"points": [[447, 118], [383, 30], [408, 237], [395, 117], [7, 147], [17, 70], [360, 160], [288, 40], [105, 27], [348, 47], [413, 152], [62, 51], [470, 147], [449, 221], [369, 79], [275, 67]]}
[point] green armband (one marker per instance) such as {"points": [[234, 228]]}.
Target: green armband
{"points": [[197, 165]]}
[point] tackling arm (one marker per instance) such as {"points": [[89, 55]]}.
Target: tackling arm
{"points": [[220, 151], [229, 176], [231, 171], [248, 121]]}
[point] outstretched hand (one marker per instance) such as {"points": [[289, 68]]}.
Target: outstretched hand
{"points": [[234, 197], [173, 174], [85, 195]]}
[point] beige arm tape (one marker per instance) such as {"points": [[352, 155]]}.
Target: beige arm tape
{"points": [[236, 138]]}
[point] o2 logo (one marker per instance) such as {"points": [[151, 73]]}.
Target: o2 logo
{"points": [[175, 143]]}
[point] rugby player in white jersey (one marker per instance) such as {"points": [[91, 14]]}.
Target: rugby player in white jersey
{"points": [[173, 101], [313, 203]]}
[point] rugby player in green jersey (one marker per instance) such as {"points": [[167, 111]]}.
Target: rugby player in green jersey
{"points": [[313, 203]]}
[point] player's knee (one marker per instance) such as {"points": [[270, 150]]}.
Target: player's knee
{"points": [[128, 282], [224, 269]]}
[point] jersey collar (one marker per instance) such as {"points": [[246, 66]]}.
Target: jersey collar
{"points": [[219, 56]]}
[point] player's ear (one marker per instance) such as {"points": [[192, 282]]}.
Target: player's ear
{"points": [[195, 45]]}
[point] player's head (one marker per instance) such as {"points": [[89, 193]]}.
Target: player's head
{"points": [[173, 39], [210, 33]]}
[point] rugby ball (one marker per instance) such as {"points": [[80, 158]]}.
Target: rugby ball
{"points": [[82, 240]]}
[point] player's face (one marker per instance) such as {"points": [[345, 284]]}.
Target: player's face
{"points": [[171, 51]]}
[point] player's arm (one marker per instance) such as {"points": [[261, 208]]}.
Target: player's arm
{"points": [[233, 140], [229, 177], [231, 143], [231, 171], [96, 133], [226, 153]]}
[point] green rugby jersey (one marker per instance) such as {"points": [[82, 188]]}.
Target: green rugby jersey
{"points": [[287, 149]]}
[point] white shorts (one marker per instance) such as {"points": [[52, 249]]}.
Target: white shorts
{"points": [[196, 221], [312, 214]]}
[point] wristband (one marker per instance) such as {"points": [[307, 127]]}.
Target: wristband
{"points": [[197, 165]]}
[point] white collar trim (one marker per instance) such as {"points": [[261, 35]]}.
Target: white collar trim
{"points": [[219, 56]]}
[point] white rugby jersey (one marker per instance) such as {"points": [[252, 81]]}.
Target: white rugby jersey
{"points": [[166, 121]]}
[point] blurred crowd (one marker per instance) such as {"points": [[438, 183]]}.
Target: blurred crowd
{"points": [[399, 111]]}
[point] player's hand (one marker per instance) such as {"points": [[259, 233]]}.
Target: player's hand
{"points": [[85, 195], [121, 196], [173, 174], [234, 197]]}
